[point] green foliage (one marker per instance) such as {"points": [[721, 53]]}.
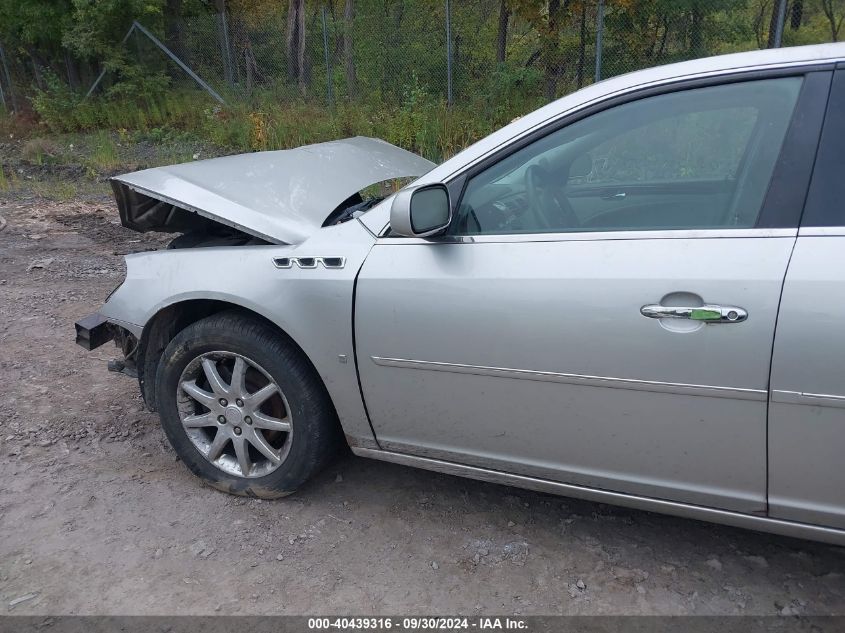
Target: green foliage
{"points": [[514, 88], [399, 57], [420, 122], [141, 104], [56, 104], [38, 24], [104, 155], [97, 28], [136, 82]]}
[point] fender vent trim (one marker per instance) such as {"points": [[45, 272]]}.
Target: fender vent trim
{"points": [[309, 263]]}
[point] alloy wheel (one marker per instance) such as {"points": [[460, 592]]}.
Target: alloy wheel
{"points": [[235, 414]]}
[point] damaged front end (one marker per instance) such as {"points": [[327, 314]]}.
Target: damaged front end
{"points": [[279, 199], [95, 330]]}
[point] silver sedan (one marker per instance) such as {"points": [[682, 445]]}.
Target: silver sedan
{"points": [[633, 295]]}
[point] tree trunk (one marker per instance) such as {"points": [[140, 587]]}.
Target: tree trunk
{"points": [[582, 45], [395, 11], [295, 43], [72, 66], [696, 36], [797, 14], [830, 14], [551, 45], [38, 66], [662, 48], [456, 53], [173, 37], [290, 41], [349, 51], [502, 35]]}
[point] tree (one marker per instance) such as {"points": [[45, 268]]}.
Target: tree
{"points": [[502, 33], [349, 51], [295, 43], [223, 37], [546, 18], [696, 38], [646, 32], [830, 9], [582, 45], [37, 27], [796, 14], [552, 63], [173, 36]]}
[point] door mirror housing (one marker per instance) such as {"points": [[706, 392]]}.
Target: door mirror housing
{"points": [[422, 211]]}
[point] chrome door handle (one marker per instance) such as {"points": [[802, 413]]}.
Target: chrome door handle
{"points": [[615, 196], [705, 313]]}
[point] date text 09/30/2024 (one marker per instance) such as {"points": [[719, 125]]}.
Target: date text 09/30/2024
{"points": [[418, 624]]}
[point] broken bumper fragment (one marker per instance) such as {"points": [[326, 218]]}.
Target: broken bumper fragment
{"points": [[93, 331]]}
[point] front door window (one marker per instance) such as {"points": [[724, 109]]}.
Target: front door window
{"points": [[693, 159]]}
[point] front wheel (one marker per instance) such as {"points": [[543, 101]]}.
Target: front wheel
{"points": [[243, 408]]}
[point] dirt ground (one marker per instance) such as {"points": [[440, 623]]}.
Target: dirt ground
{"points": [[98, 517]]}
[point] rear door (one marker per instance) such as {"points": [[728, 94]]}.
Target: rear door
{"points": [[807, 409]]}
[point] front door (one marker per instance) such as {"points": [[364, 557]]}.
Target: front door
{"points": [[620, 344]]}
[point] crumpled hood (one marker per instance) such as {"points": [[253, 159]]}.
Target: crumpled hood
{"points": [[280, 196]]}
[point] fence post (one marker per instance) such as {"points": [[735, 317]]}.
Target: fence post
{"points": [[329, 95], [599, 38], [448, 53], [781, 20]]}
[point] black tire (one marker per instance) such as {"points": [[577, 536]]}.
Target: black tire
{"points": [[316, 429]]}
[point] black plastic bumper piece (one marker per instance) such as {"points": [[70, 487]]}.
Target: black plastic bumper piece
{"points": [[93, 331]]}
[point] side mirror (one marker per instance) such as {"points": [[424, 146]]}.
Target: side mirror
{"points": [[421, 211]]}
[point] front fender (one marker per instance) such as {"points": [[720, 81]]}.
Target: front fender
{"points": [[313, 306]]}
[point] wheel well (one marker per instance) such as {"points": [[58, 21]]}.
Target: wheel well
{"points": [[171, 320]]}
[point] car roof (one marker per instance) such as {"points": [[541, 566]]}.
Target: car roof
{"points": [[704, 67]]}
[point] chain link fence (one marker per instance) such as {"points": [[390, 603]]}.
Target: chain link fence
{"points": [[334, 58], [460, 52]]}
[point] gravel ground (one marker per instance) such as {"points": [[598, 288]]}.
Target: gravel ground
{"points": [[98, 517]]}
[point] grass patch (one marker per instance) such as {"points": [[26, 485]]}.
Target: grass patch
{"points": [[417, 121], [56, 190], [426, 127], [104, 155], [40, 150], [9, 179]]}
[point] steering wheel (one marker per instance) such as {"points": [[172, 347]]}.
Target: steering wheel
{"points": [[549, 211]]}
